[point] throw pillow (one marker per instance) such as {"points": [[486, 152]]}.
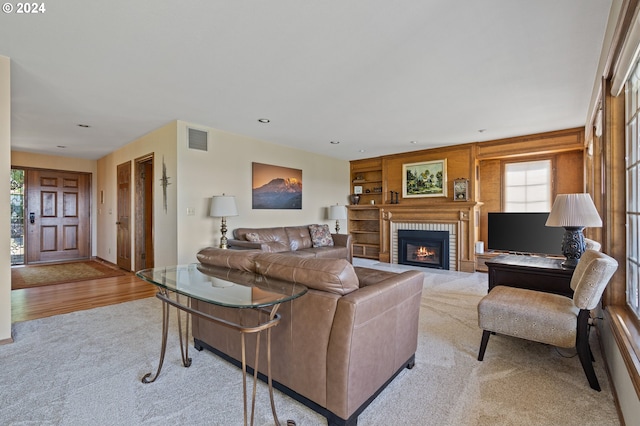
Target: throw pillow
{"points": [[253, 237], [320, 235]]}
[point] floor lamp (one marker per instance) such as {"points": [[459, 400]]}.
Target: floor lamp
{"points": [[337, 213], [574, 212], [223, 206]]}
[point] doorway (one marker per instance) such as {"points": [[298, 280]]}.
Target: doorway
{"points": [[123, 209], [144, 255], [57, 216]]}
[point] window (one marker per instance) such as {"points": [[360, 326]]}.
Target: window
{"points": [[17, 216], [527, 186], [632, 168]]}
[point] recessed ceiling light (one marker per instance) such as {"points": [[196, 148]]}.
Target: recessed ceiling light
{"points": [[61, 146], [413, 142], [264, 120], [334, 142], [362, 150], [482, 130], [86, 126]]}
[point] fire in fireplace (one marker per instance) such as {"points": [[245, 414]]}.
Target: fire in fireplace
{"points": [[429, 249]]}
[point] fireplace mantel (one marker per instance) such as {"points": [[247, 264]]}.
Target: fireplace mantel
{"points": [[463, 215]]}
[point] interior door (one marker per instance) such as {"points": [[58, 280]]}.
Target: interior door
{"points": [[123, 239], [144, 256], [58, 216]]}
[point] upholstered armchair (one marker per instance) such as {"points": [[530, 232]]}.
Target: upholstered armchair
{"points": [[591, 244], [550, 318]]}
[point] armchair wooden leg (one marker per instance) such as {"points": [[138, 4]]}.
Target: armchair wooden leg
{"points": [[584, 350], [483, 344]]}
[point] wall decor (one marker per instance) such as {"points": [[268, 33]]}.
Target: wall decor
{"points": [[275, 187], [424, 179], [164, 181], [461, 189]]}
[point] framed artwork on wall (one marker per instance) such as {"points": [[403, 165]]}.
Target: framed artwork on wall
{"points": [[424, 179], [461, 189], [275, 187]]}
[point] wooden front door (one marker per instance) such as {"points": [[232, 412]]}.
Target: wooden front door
{"points": [[58, 216], [123, 239]]}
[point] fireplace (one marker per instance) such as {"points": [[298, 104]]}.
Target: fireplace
{"points": [[429, 249]]}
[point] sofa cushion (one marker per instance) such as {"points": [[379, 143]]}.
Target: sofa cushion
{"points": [[299, 237], [321, 235], [332, 275], [236, 259]]}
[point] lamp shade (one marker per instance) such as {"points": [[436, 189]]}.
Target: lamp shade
{"points": [[337, 212], [223, 206], [574, 210]]}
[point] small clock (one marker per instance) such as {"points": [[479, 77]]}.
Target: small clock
{"points": [[461, 190]]}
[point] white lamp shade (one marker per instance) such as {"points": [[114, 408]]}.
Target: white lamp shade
{"points": [[337, 212], [223, 206], [574, 210]]}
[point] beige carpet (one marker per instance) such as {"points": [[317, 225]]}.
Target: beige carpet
{"points": [[85, 368], [39, 275]]}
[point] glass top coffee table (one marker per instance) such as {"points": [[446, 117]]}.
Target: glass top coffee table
{"points": [[178, 285]]}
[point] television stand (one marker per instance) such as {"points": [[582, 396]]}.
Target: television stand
{"points": [[530, 272]]}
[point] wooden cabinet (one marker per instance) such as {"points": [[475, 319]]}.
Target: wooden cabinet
{"points": [[531, 272], [364, 227], [366, 180]]}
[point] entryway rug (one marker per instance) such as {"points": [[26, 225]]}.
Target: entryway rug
{"points": [[39, 275]]}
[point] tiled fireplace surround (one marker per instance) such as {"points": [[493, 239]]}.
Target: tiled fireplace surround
{"points": [[459, 218]]}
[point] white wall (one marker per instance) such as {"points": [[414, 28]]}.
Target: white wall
{"points": [[5, 210], [162, 144], [195, 176], [226, 168], [55, 162], [625, 391]]}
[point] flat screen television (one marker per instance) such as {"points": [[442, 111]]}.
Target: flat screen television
{"points": [[523, 233]]}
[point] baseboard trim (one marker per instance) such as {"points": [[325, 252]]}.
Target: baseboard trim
{"points": [[6, 341]]}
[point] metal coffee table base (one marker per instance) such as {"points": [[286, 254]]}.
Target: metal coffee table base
{"points": [[271, 319]]}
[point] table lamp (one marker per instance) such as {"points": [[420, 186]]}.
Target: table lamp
{"points": [[337, 213], [574, 212], [223, 206]]}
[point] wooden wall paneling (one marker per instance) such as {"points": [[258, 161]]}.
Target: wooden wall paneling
{"points": [[481, 163], [490, 193], [460, 164], [569, 172], [614, 240], [551, 142]]}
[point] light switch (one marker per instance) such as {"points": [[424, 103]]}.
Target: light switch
{"points": [[191, 211]]}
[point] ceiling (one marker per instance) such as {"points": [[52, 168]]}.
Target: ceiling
{"points": [[377, 76]]}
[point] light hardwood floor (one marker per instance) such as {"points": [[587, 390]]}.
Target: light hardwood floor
{"points": [[45, 301]]}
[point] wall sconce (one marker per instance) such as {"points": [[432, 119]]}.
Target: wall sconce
{"points": [[223, 206], [337, 213], [574, 212]]}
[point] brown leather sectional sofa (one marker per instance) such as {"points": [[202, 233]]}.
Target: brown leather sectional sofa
{"points": [[337, 346], [295, 240]]}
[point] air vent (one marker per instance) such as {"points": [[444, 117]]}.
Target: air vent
{"points": [[198, 139]]}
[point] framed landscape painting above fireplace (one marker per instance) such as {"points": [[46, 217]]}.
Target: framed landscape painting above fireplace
{"points": [[424, 179]]}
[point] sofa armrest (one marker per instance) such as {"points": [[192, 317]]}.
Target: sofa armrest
{"points": [[343, 240], [245, 245], [374, 333]]}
